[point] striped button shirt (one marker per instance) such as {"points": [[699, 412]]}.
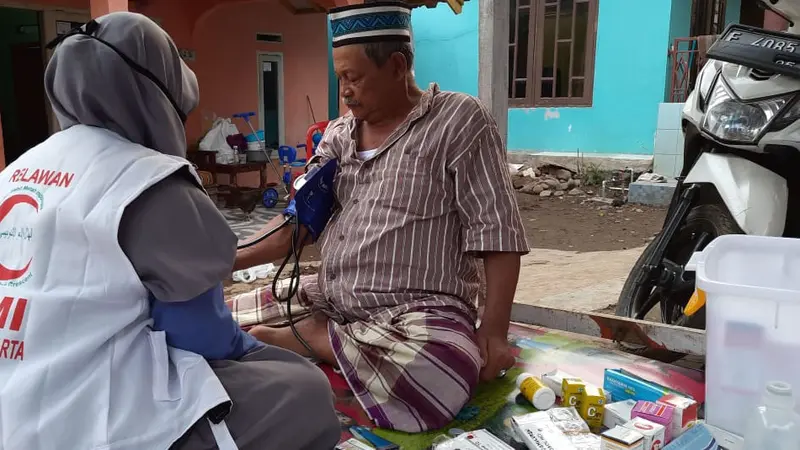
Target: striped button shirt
{"points": [[411, 220]]}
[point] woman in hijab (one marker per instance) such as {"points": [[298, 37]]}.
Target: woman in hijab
{"points": [[121, 337]]}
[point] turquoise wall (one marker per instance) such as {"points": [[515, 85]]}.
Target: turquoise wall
{"points": [[680, 23], [631, 74], [333, 83], [628, 86], [680, 19], [446, 47], [733, 10]]}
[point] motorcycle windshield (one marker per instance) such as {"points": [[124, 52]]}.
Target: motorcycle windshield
{"points": [[765, 50]]}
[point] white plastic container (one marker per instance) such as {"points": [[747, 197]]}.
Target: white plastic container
{"points": [[774, 425], [535, 391], [752, 287]]}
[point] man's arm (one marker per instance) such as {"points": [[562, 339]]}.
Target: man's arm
{"points": [[278, 245], [491, 226], [271, 249], [502, 274]]}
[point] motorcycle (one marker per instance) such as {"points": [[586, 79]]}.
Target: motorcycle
{"points": [[741, 172]]}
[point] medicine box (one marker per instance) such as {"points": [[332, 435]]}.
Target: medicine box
{"points": [[618, 413], [353, 444], [654, 434], [592, 405], [624, 385], [685, 412], [541, 435], [620, 438], [554, 379], [657, 413], [474, 440], [572, 391], [695, 438]]}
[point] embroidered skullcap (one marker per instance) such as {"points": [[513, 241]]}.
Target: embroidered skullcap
{"points": [[379, 21]]}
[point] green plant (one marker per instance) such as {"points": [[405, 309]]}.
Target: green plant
{"points": [[593, 175]]}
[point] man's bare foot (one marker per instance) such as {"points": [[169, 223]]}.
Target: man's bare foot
{"points": [[314, 330]]}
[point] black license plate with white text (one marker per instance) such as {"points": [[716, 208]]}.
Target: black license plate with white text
{"points": [[766, 50]]}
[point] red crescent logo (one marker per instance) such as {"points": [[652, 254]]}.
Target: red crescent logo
{"points": [[6, 206]]}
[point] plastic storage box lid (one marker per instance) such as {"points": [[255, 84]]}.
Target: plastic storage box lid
{"points": [[742, 265]]}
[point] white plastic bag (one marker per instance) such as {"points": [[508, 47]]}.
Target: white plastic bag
{"points": [[254, 273], [216, 140], [226, 156]]}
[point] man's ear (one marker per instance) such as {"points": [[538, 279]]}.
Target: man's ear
{"points": [[399, 65]]}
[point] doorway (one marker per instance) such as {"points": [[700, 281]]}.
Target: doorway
{"points": [[751, 13], [708, 17], [27, 118], [270, 94], [22, 95]]}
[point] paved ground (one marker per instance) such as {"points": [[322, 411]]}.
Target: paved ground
{"points": [[248, 228], [588, 281], [581, 225], [582, 250]]}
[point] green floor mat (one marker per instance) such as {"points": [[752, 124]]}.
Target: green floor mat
{"points": [[489, 397]]}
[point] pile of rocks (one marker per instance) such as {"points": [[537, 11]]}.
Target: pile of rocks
{"points": [[547, 181]]}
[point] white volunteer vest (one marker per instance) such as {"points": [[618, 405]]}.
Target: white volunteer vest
{"points": [[80, 367]]}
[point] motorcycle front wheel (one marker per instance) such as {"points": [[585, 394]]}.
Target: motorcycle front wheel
{"points": [[703, 224]]}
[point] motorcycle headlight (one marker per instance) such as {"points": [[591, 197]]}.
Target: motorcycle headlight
{"points": [[732, 120]]}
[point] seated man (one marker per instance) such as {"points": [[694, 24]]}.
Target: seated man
{"points": [[423, 191]]}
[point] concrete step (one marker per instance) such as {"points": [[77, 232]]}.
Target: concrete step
{"points": [[652, 194]]}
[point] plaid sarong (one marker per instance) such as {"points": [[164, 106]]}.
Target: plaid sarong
{"points": [[410, 369], [258, 306]]}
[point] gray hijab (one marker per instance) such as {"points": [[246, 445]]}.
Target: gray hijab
{"points": [[90, 84], [175, 238]]}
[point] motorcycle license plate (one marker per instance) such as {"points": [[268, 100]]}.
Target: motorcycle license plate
{"points": [[766, 50]]}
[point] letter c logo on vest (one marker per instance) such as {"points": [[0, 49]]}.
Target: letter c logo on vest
{"points": [[17, 198]]}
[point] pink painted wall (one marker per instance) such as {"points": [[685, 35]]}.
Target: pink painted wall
{"points": [[103, 7], [73, 4], [774, 22], [177, 18], [222, 34], [223, 37], [226, 65]]}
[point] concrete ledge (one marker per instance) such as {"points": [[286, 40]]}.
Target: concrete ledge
{"points": [[639, 163], [653, 194]]}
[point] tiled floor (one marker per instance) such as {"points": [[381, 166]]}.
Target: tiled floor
{"points": [[247, 228]]}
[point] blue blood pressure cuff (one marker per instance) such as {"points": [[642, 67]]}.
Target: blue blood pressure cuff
{"points": [[314, 199]]}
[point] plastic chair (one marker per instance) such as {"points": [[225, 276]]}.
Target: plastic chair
{"points": [[314, 136]]}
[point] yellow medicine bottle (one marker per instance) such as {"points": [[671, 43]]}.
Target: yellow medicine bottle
{"points": [[535, 391]]}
